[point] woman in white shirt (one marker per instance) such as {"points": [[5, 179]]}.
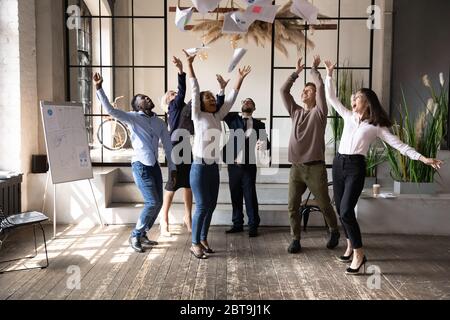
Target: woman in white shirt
{"points": [[204, 177], [362, 126]]}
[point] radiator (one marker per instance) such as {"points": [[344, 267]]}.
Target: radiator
{"points": [[10, 195]]}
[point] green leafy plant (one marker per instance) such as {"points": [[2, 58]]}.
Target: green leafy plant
{"points": [[374, 158], [425, 134]]}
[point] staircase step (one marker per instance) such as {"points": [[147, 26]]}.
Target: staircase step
{"points": [[271, 215], [265, 175], [267, 194]]}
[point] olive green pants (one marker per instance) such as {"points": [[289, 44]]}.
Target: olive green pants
{"points": [[314, 177]]}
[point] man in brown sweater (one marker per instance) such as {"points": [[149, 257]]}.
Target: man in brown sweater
{"points": [[307, 153]]}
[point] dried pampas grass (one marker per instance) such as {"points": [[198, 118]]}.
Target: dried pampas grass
{"points": [[287, 32]]}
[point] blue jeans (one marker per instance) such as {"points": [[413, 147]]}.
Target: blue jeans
{"points": [[205, 182], [150, 183]]}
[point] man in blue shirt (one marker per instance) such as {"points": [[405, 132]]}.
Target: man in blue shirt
{"points": [[146, 132]]}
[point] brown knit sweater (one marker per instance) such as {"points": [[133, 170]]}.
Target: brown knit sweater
{"points": [[307, 142]]}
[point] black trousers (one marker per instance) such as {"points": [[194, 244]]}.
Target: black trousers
{"points": [[349, 173], [243, 186]]}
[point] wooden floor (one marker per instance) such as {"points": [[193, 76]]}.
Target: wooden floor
{"points": [[412, 267]]}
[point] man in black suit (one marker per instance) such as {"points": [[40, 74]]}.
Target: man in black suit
{"points": [[246, 135]]}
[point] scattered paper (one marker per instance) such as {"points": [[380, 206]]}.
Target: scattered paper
{"points": [[237, 57], [205, 6], [242, 20], [230, 25], [262, 13], [261, 2], [194, 51], [183, 17], [305, 10]]}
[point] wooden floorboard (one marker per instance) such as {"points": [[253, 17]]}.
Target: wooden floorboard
{"points": [[243, 268]]}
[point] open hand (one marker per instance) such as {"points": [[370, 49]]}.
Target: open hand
{"points": [[316, 62], [330, 67], [243, 73], [178, 64], [435, 163], [300, 66], [189, 58], [223, 84]]}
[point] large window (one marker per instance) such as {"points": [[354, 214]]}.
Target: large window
{"points": [[132, 41]]}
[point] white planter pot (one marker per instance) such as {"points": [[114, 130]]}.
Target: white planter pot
{"points": [[414, 188]]}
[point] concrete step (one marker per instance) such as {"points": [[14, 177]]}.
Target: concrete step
{"points": [[265, 175], [271, 215], [267, 194]]}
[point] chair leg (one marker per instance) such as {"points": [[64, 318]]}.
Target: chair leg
{"points": [[30, 257]]}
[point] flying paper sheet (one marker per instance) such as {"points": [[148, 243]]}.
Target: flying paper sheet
{"points": [[262, 13], [230, 25], [242, 20], [194, 51], [262, 2], [204, 6], [183, 17], [305, 10], [237, 57]]}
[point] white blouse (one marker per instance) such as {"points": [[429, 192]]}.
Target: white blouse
{"points": [[207, 125], [359, 135]]}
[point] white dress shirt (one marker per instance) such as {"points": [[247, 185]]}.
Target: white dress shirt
{"points": [[208, 126], [359, 135]]}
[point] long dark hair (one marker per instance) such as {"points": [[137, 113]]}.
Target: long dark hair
{"points": [[375, 113]]}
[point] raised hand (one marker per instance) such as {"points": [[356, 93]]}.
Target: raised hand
{"points": [[222, 83], [189, 58], [243, 73], [98, 80], [435, 163], [316, 62], [330, 67], [300, 66], [178, 64]]}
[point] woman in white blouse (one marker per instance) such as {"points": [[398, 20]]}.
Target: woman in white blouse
{"points": [[205, 179], [362, 126]]}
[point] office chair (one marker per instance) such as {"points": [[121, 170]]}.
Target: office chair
{"points": [[10, 223], [309, 206]]}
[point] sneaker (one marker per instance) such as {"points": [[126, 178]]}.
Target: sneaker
{"points": [[333, 241], [135, 243], [146, 241], [253, 233], [295, 247]]}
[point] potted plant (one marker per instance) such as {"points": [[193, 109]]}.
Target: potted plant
{"points": [[375, 157], [425, 134]]}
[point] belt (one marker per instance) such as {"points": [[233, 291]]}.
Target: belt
{"points": [[313, 163], [351, 156]]}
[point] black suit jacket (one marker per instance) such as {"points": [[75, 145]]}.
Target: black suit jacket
{"points": [[236, 122]]}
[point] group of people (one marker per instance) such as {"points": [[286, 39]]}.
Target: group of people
{"points": [[196, 169]]}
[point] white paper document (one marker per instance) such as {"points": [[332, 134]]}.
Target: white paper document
{"points": [[305, 10], [239, 53], [183, 17], [205, 6], [262, 13]]}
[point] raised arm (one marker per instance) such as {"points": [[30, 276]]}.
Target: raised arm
{"points": [[231, 99], [167, 145], [286, 96], [220, 98], [101, 96], [195, 88], [330, 93], [320, 87], [181, 95], [403, 148]]}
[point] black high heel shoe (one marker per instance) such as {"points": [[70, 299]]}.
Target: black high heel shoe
{"points": [[356, 271], [346, 259]]}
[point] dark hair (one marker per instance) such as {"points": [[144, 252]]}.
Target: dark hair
{"points": [[250, 99], [202, 105], [134, 104], [311, 84], [376, 114]]}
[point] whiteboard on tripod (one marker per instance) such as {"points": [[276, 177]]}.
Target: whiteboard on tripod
{"points": [[66, 140]]}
